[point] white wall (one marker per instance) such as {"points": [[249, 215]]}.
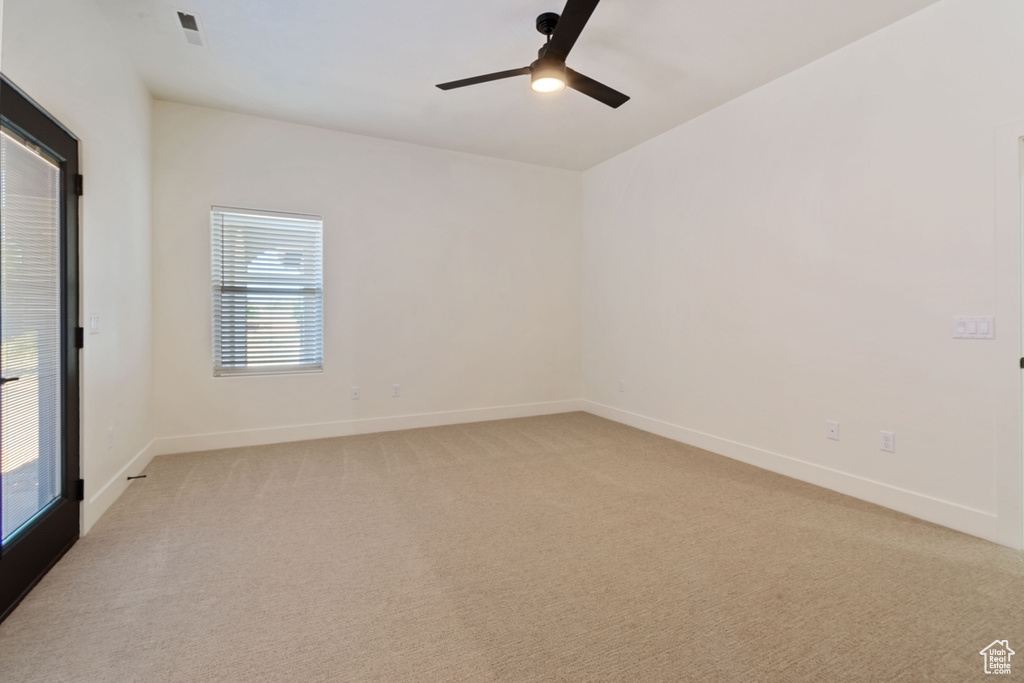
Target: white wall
{"points": [[798, 254], [60, 52], [457, 277]]}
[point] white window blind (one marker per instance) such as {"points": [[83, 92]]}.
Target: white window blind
{"points": [[30, 307], [267, 292]]}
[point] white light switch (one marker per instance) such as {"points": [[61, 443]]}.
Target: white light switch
{"points": [[976, 327], [94, 324]]}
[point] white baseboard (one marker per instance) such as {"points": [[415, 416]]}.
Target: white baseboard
{"points": [[325, 430], [101, 501], [968, 520]]}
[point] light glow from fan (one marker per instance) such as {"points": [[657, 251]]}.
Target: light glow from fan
{"points": [[547, 84], [547, 76]]}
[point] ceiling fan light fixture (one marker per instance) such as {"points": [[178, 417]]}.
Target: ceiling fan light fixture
{"points": [[547, 76], [547, 84]]}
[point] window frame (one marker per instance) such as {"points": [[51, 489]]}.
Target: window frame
{"points": [[219, 289]]}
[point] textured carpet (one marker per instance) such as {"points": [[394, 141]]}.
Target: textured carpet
{"points": [[564, 547]]}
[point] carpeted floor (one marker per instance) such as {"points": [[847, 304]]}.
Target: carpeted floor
{"points": [[564, 547]]}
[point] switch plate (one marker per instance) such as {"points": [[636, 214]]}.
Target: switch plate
{"points": [[887, 442], [355, 393], [832, 430], [622, 385], [395, 390], [975, 327], [94, 324]]}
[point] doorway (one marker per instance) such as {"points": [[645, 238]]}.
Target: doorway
{"points": [[39, 343]]}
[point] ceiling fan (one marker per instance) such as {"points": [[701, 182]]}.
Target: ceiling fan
{"points": [[549, 73]]}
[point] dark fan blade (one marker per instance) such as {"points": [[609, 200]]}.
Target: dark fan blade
{"points": [[599, 91], [483, 79], [574, 17]]}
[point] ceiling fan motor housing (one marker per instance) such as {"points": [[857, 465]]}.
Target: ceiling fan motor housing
{"points": [[548, 66]]}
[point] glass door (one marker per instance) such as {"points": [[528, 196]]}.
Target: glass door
{"points": [[39, 508], [30, 393]]}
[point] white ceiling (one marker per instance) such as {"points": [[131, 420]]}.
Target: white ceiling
{"points": [[370, 66]]}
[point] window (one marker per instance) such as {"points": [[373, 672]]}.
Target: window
{"points": [[267, 292]]}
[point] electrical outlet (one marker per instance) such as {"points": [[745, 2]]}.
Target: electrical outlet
{"points": [[832, 430], [355, 393], [887, 442], [395, 390], [622, 385]]}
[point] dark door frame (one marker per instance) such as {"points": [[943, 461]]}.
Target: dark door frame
{"points": [[37, 547]]}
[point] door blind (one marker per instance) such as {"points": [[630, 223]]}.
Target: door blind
{"points": [[267, 292], [30, 315]]}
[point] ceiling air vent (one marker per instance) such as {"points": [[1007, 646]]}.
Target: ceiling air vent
{"points": [[190, 25]]}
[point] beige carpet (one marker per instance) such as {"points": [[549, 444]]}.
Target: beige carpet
{"points": [[553, 548]]}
